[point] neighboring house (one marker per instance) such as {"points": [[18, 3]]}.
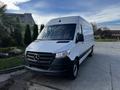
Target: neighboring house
{"points": [[24, 19], [115, 34], [110, 33]]}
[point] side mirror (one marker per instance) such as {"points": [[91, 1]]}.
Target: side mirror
{"points": [[79, 38]]}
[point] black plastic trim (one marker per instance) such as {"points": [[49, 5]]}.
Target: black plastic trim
{"points": [[85, 52]]}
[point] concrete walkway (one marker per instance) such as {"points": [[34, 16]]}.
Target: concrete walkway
{"points": [[6, 78]]}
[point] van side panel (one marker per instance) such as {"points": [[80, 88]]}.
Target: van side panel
{"points": [[81, 47]]}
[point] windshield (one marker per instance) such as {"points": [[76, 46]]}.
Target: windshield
{"points": [[58, 32]]}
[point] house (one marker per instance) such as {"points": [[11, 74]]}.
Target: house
{"points": [[23, 19], [108, 33], [115, 34]]}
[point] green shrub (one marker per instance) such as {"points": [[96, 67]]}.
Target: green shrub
{"points": [[27, 36], [6, 49], [7, 42], [42, 27], [35, 32], [18, 37]]}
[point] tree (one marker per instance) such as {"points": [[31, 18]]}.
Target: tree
{"points": [[9, 28], [17, 35], [2, 10], [106, 34], [35, 32], [27, 36], [41, 27], [5, 38], [98, 32], [7, 42], [2, 15], [94, 26]]}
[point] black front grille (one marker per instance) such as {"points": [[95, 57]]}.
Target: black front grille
{"points": [[40, 59]]}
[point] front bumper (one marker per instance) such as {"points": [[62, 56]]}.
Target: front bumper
{"points": [[57, 67], [46, 72]]}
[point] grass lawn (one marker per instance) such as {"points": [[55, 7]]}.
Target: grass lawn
{"points": [[106, 40], [10, 62]]}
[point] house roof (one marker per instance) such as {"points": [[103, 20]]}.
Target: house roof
{"points": [[25, 18]]}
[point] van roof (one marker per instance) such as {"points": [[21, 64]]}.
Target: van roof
{"points": [[66, 20]]}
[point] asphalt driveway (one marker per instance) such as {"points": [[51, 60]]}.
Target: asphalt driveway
{"points": [[100, 72]]}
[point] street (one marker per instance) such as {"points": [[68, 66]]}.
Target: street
{"points": [[100, 72]]}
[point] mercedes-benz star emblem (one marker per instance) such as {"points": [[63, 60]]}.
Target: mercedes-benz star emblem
{"points": [[36, 57]]}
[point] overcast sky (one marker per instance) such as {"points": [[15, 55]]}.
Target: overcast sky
{"points": [[106, 12]]}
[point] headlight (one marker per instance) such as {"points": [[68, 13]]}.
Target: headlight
{"points": [[62, 54]]}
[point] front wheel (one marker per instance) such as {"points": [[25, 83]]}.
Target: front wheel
{"points": [[74, 71]]}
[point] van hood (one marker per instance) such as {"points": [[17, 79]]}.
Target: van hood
{"points": [[49, 46]]}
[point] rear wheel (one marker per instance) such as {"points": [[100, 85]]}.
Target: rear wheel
{"points": [[91, 53]]}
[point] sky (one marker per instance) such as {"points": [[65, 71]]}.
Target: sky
{"points": [[103, 12]]}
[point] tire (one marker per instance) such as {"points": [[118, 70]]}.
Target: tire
{"points": [[74, 70], [91, 53]]}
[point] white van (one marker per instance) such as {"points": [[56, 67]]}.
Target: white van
{"points": [[61, 46]]}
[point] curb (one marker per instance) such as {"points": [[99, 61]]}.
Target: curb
{"points": [[6, 71]]}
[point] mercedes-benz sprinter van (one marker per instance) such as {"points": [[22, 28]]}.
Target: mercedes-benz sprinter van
{"points": [[61, 46]]}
